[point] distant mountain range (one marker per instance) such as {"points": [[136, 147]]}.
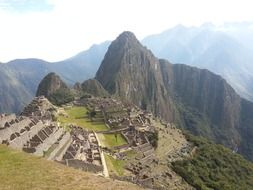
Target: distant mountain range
{"points": [[224, 50], [20, 78]]}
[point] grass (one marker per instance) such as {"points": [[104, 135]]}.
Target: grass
{"points": [[130, 153], [77, 116], [50, 150], [22, 171], [115, 166], [110, 140]]}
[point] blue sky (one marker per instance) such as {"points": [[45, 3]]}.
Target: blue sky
{"points": [[57, 29], [26, 6]]}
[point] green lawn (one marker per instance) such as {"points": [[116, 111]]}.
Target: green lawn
{"points": [[78, 116], [115, 166], [130, 154], [22, 171], [110, 140]]}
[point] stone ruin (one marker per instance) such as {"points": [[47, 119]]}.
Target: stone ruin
{"points": [[83, 152], [35, 132], [133, 124], [78, 148], [28, 134], [40, 108]]}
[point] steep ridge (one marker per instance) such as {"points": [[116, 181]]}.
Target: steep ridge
{"points": [[131, 72], [195, 99]]}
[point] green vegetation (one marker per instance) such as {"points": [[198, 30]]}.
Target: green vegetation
{"points": [[115, 166], [191, 119], [50, 150], [130, 153], [22, 171], [78, 116], [215, 167], [111, 140], [61, 96]]}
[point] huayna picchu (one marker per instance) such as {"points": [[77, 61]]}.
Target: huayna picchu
{"points": [[133, 125]]}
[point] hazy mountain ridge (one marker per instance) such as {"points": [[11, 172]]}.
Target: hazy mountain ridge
{"points": [[225, 50], [13, 94], [220, 49], [21, 77]]}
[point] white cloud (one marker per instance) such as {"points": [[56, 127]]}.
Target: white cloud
{"points": [[74, 25]]}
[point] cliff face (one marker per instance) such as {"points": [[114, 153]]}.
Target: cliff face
{"points": [[195, 99], [246, 129], [207, 104], [131, 72]]}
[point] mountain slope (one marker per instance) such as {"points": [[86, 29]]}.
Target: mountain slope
{"points": [[13, 94], [195, 99], [213, 166], [22, 171]]}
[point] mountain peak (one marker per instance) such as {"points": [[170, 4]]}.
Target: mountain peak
{"points": [[50, 84], [127, 35], [121, 73], [124, 51], [126, 39]]}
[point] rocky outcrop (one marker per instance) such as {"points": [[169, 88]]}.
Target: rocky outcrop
{"points": [[50, 84], [53, 88], [93, 87]]}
